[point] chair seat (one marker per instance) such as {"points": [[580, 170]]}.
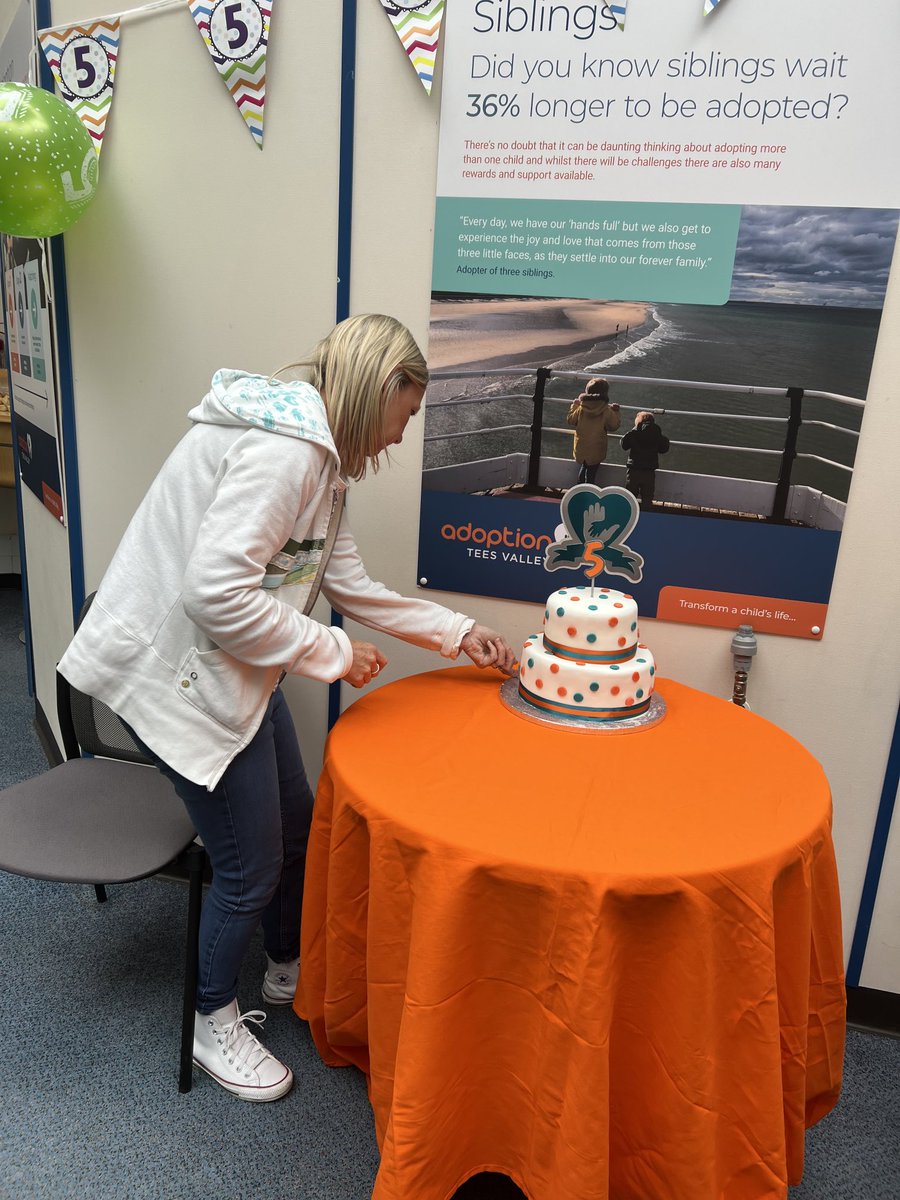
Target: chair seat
{"points": [[92, 820]]}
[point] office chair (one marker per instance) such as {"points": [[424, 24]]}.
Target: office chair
{"points": [[105, 815]]}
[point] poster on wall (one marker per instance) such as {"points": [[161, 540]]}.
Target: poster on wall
{"points": [[30, 352], [700, 210], [17, 44]]}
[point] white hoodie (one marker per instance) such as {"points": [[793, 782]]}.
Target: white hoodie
{"points": [[201, 609]]}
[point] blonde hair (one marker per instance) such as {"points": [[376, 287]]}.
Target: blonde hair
{"points": [[358, 368]]}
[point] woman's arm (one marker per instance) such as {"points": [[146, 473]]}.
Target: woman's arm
{"points": [[421, 622], [266, 481]]}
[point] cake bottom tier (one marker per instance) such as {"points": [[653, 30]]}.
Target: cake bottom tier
{"points": [[592, 691]]}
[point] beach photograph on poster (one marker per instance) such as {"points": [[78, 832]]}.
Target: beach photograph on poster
{"points": [[761, 399]]}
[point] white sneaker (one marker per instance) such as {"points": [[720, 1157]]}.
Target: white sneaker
{"points": [[280, 981], [226, 1049]]}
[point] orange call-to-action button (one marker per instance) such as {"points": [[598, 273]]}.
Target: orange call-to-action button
{"points": [[52, 501], [727, 610]]}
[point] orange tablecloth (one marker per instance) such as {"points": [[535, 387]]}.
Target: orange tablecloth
{"points": [[605, 965]]}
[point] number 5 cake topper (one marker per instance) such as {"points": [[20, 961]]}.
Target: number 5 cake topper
{"points": [[598, 521]]}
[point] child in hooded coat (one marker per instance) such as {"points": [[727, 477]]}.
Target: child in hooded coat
{"points": [[644, 443], [593, 418]]}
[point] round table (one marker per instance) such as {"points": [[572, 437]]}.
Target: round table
{"points": [[606, 965]]}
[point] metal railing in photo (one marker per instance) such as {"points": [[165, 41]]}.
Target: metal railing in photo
{"points": [[798, 401]]}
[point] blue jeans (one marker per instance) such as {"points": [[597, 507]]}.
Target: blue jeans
{"points": [[587, 472], [255, 827]]}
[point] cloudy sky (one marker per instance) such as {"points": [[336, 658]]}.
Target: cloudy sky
{"points": [[835, 256]]}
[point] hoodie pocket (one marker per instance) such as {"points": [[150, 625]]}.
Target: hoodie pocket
{"points": [[228, 691]]}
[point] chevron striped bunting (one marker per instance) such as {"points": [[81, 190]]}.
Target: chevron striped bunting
{"points": [[83, 61], [236, 34], [418, 26]]}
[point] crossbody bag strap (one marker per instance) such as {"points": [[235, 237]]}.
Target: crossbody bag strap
{"points": [[334, 521]]}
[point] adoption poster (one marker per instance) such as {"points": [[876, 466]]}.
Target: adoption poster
{"points": [[701, 210], [29, 330]]}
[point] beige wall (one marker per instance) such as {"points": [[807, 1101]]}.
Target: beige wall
{"points": [[200, 251]]}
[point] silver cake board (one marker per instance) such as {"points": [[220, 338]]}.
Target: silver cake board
{"points": [[509, 694]]}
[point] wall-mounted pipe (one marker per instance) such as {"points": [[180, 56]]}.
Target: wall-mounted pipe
{"points": [[743, 648]]}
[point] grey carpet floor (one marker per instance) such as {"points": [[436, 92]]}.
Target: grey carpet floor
{"points": [[90, 1003]]}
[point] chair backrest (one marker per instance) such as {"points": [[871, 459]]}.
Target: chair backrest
{"points": [[90, 727]]}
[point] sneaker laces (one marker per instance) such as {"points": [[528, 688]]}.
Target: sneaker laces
{"points": [[241, 1045]]}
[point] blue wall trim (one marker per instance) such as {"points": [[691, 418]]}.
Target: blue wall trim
{"points": [[345, 180], [876, 860], [69, 447], [344, 233]]}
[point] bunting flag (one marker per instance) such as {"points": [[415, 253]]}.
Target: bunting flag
{"points": [[618, 11], [236, 33], [83, 61], [418, 26], [619, 7]]}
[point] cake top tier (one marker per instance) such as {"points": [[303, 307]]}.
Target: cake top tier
{"points": [[602, 627]]}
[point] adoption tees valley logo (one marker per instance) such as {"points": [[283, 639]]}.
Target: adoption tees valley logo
{"points": [[510, 545]]}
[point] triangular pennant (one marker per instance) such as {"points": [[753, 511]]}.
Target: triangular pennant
{"points": [[618, 11], [83, 61], [709, 5], [236, 33], [418, 26]]}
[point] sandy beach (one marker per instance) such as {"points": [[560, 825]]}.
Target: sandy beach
{"points": [[493, 333]]}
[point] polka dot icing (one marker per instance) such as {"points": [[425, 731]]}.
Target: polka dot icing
{"points": [[585, 663]]}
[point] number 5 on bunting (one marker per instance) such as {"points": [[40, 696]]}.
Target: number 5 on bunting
{"points": [[83, 61], [236, 34]]}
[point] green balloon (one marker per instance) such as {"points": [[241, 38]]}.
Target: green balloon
{"points": [[48, 164]]}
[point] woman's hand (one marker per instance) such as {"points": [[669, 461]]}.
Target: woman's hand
{"points": [[487, 648], [367, 662]]}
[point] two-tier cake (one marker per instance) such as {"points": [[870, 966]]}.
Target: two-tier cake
{"points": [[588, 661]]}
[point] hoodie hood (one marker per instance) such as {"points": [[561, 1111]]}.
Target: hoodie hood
{"points": [[293, 409]]}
